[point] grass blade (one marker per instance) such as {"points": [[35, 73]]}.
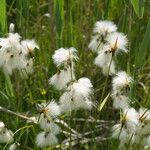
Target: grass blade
{"points": [[143, 48], [138, 6], [2, 17], [103, 102]]}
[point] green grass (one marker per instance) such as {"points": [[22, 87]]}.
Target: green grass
{"points": [[70, 24]]}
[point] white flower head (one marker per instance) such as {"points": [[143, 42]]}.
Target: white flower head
{"points": [[104, 61], [61, 79], [130, 119], [111, 69], [63, 56], [45, 139], [96, 44], [119, 132], [28, 46], [11, 28], [11, 56], [78, 95], [118, 42], [2, 125], [48, 125], [146, 142], [104, 27], [124, 136], [101, 30], [11, 43], [144, 122], [120, 102], [13, 53], [6, 136], [121, 80], [66, 102], [14, 146], [82, 87], [51, 109], [27, 68]]}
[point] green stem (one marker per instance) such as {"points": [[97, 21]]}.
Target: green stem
{"points": [[106, 81]]}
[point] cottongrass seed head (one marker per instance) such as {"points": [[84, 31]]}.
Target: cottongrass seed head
{"points": [[104, 61], [28, 46], [6, 136], [104, 27], [13, 53], [118, 42], [121, 80], [63, 56], [45, 139], [101, 30], [77, 95], [61, 79]]}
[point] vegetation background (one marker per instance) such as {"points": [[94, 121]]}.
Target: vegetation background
{"points": [[66, 23]]}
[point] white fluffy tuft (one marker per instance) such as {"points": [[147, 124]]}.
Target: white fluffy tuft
{"points": [[62, 56]]}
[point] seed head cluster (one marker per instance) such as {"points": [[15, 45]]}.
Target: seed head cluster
{"points": [[107, 43], [16, 54]]}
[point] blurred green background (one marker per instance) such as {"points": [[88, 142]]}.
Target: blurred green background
{"points": [[66, 23]]}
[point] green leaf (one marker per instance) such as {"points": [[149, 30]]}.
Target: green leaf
{"points": [[59, 10], [2, 17], [58, 17], [143, 47], [138, 6], [103, 102], [9, 86]]}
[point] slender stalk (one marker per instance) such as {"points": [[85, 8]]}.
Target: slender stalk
{"points": [[129, 142], [106, 81], [71, 72], [15, 113]]}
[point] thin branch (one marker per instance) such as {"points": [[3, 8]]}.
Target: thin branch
{"points": [[15, 113]]}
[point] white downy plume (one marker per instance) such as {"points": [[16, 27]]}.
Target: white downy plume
{"points": [[130, 118], [66, 102], [10, 47], [96, 44], [77, 95], [130, 139], [45, 139], [118, 42], [61, 79], [11, 28], [10, 55], [63, 56], [112, 69], [47, 124], [146, 142], [14, 146], [104, 27], [104, 59], [101, 29], [6, 136], [27, 68], [28, 46], [119, 132], [144, 122], [2, 125], [51, 109], [127, 127], [11, 43], [121, 80], [120, 102], [13, 53], [124, 136]]}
